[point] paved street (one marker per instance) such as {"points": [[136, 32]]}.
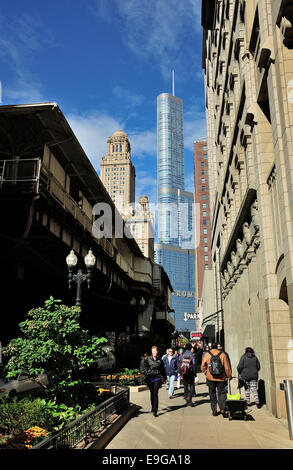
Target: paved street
{"points": [[181, 427]]}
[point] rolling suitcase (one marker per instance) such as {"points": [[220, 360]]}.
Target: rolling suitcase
{"points": [[235, 405]]}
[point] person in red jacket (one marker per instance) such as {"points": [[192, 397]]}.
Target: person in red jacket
{"points": [[215, 382]]}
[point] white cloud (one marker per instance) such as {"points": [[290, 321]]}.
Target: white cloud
{"points": [[143, 143], [20, 39], [22, 92], [92, 131], [156, 30], [189, 182], [194, 128], [128, 98], [146, 184]]}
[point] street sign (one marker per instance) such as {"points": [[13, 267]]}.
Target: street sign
{"points": [[191, 316]]}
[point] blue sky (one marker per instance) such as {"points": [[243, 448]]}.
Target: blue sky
{"points": [[105, 62]]}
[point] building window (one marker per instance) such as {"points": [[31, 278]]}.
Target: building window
{"points": [[205, 147], [203, 197], [205, 240], [205, 156], [205, 231], [204, 205], [202, 172], [204, 222], [203, 188], [204, 214], [203, 180], [202, 164], [206, 249], [206, 258], [206, 266]]}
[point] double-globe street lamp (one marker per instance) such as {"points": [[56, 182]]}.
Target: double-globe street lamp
{"points": [[79, 278]]}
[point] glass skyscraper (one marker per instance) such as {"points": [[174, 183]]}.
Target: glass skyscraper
{"points": [[175, 249]]}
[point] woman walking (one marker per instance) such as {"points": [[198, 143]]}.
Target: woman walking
{"points": [[248, 368], [154, 371]]}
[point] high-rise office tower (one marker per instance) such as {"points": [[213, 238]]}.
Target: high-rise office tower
{"points": [[175, 246], [117, 170], [203, 261]]}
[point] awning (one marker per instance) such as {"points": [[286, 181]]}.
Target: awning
{"points": [[209, 331]]}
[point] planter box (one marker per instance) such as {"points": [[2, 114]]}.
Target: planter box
{"points": [[77, 431]]}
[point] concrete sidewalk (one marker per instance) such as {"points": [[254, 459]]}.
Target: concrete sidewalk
{"points": [[180, 427]]}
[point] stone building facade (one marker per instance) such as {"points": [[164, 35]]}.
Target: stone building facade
{"points": [[248, 67], [117, 170], [202, 204], [141, 225]]}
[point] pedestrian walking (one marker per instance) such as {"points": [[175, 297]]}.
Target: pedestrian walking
{"points": [[220, 348], [248, 369], [188, 374], [154, 371], [216, 368], [170, 364], [179, 358]]}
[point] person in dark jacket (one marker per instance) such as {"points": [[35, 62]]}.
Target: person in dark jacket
{"points": [[170, 364], [154, 371], [248, 368], [188, 378]]}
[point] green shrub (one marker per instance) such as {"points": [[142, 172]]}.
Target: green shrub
{"points": [[52, 341], [18, 415]]}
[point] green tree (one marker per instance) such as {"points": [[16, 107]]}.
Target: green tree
{"points": [[52, 341]]}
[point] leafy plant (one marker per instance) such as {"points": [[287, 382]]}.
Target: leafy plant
{"points": [[52, 341], [126, 371], [26, 439], [18, 415]]}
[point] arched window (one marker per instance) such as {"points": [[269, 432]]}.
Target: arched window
{"points": [[283, 292], [116, 147], [120, 147], [113, 148]]}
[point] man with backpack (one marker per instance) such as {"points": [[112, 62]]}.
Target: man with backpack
{"points": [[188, 373], [216, 367]]}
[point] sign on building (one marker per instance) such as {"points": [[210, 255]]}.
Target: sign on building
{"points": [[191, 316], [195, 334]]}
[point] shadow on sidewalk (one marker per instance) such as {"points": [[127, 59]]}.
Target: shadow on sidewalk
{"points": [[206, 394]]}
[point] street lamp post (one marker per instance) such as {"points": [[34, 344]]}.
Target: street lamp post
{"points": [[79, 278]]}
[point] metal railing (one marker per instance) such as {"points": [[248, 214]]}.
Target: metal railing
{"points": [[57, 190], [20, 172], [90, 422]]}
